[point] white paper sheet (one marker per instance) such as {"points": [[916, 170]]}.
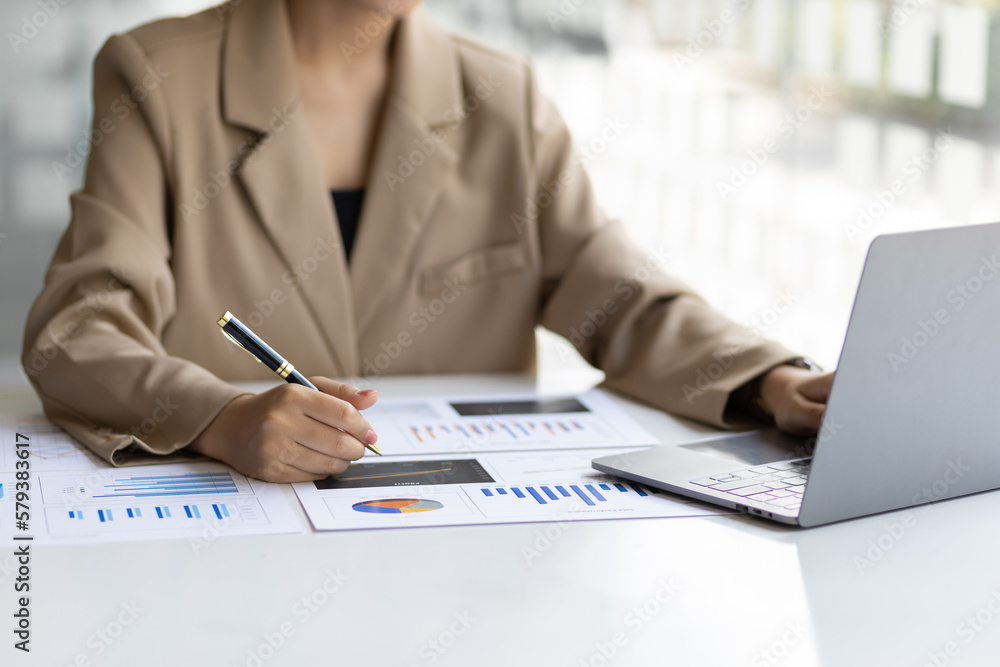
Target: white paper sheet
{"points": [[518, 463], [512, 487], [460, 424], [73, 496]]}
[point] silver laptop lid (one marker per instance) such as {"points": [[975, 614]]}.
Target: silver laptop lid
{"points": [[913, 414]]}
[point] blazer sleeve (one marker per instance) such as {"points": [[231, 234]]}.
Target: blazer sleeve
{"points": [[651, 334], [92, 346]]}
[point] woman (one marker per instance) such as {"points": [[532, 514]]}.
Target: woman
{"points": [[222, 137]]}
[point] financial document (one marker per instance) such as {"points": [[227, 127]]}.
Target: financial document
{"points": [[499, 459], [434, 425], [68, 494]]}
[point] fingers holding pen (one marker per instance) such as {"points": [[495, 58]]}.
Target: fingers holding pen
{"points": [[337, 405], [362, 399]]}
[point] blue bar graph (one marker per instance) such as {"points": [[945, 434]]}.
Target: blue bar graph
{"points": [[591, 494], [194, 483], [122, 519]]}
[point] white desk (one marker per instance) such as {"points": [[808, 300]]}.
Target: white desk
{"points": [[742, 587]]}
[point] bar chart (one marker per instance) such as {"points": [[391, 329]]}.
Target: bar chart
{"points": [[589, 494], [151, 516], [140, 486], [220, 511], [594, 495], [109, 485], [500, 433]]}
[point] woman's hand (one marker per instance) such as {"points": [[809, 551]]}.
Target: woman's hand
{"points": [[796, 398], [291, 433]]}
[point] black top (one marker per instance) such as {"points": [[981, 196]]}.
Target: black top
{"points": [[348, 206]]}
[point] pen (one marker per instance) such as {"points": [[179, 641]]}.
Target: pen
{"points": [[241, 335]]}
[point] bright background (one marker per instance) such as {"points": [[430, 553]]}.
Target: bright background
{"points": [[702, 86]]}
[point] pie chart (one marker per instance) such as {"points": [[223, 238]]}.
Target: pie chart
{"points": [[397, 506]]}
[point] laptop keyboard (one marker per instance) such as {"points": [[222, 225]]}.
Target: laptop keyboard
{"points": [[778, 484]]}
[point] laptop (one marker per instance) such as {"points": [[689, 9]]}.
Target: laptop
{"points": [[913, 416]]}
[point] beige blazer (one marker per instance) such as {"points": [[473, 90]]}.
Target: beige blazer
{"points": [[204, 193]]}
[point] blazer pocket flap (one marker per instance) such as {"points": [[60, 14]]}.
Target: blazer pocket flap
{"points": [[475, 267]]}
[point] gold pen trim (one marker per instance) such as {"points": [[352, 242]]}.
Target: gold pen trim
{"points": [[224, 320], [285, 369]]}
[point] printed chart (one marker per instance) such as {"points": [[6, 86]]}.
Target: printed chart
{"points": [[443, 425], [483, 489], [131, 483], [172, 500], [147, 517], [75, 496]]}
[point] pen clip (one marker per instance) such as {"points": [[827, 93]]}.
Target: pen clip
{"points": [[238, 343]]}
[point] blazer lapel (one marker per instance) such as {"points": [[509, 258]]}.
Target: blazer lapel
{"points": [[414, 157], [283, 175]]}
